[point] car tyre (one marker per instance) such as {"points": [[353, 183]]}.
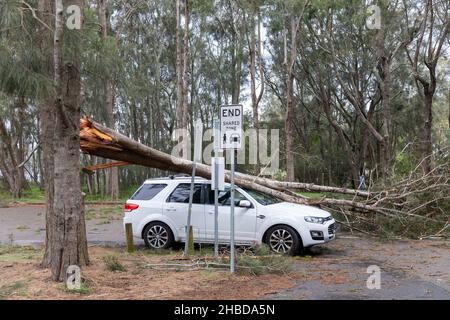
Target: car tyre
{"points": [[284, 240], [158, 235]]}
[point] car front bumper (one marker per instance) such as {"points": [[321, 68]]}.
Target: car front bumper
{"points": [[319, 233]]}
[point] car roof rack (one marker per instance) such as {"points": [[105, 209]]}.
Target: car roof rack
{"points": [[175, 177]]}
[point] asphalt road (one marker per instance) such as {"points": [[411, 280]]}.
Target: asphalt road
{"points": [[26, 225], [409, 269]]}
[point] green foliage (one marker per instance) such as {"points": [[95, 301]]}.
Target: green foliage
{"points": [[262, 264], [10, 253], [112, 263], [9, 289], [83, 290], [280, 175], [404, 164], [32, 194]]}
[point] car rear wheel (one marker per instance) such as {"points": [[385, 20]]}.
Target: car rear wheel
{"points": [[157, 235], [284, 240]]}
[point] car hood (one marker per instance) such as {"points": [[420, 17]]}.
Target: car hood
{"points": [[297, 209]]}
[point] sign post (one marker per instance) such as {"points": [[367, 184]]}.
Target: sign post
{"points": [[198, 139], [218, 182], [231, 125]]}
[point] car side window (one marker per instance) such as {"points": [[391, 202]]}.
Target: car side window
{"points": [[181, 194], [148, 191], [225, 197]]}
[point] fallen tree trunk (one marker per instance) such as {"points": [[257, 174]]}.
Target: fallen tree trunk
{"points": [[96, 138], [400, 202]]}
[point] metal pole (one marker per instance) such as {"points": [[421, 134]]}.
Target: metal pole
{"points": [[216, 126], [216, 208], [232, 214], [191, 196]]}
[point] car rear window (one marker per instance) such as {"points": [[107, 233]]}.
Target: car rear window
{"points": [[148, 191]]}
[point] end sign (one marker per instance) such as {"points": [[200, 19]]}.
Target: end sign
{"points": [[231, 124]]}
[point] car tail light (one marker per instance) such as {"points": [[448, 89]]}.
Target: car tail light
{"points": [[130, 207]]}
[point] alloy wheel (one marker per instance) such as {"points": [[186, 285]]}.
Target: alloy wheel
{"points": [[281, 241], [157, 236]]}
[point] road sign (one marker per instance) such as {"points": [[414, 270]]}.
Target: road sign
{"points": [[231, 124]]}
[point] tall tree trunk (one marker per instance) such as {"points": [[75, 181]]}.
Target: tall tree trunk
{"points": [[113, 173], [184, 119], [182, 54], [428, 48], [289, 120], [252, 53], [384, 67], [427, 146], [179, 108], [10, 160], [65, 243]]}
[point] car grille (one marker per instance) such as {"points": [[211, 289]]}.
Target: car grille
{"points": [[332, 228]]}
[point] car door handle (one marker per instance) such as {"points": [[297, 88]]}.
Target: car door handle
{"points": [[171, 209], [261, 216], [211, 211]]}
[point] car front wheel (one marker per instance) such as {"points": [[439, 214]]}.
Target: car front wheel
{"points": [[157, 235], [284, 240]]}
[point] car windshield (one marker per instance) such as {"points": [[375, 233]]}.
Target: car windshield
{"points": [[263, 198]]}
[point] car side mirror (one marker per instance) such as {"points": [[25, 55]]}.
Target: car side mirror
{"points": [[245, 204]]}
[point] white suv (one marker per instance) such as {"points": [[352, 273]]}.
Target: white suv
{"points": [[158, 214]]}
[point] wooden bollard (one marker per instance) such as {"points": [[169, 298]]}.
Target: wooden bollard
{"points": [[191, 249], [129, 237]]}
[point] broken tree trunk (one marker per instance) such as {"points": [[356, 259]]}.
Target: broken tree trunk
{"points": [[416, 199], [101, 141]]}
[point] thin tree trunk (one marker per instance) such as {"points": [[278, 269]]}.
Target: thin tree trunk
{"points": [[290, 173], [182, 53], [252, 51], [384, 67], [427, 131], [184, 119], [113, 173]]}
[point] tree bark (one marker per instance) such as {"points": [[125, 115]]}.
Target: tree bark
{"points": [[428, 48], [113, 173], [384, 67], [182, 54], [104, 142], [10, 159], [65, 243], [290, 173], [184, 119]]}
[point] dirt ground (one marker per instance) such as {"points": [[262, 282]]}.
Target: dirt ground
{"points": [[22, 278], [409, 269]]}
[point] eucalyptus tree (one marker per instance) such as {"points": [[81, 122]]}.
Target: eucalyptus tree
{"points": [[20, 85], [429, 24], [65, 242]]}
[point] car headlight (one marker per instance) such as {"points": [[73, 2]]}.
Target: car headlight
{"points": [[315, 220]]}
